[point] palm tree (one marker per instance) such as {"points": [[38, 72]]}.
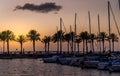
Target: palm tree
{"points": [[92, 37], [46, 40], [114, 38], [3, 38], [67, 38], [9, 35], [78, 40], [83, 40], [21, 39], [85, 37], [33, 36], [56, 38], [103, 36], [72, 35]]}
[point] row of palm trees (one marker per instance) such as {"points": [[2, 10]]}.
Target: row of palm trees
{"points": [[8, 35], [83, 37], [70, 38]]}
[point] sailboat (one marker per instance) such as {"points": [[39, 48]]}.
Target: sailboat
{"points": [[113, 63], [72, 59], [54, 58]]}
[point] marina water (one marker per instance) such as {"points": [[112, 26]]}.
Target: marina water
{"points": [[36, 67]]}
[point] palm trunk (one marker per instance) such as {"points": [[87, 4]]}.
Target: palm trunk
{"points": [[78, 46], [83, 46], [33, 45], [86, 47], [68, 46], [8, 46], [113, 45], [72, 45], [100, 46], [103, 47], [93, 46], [21, 46], [48, 46], [3, 46], [58, 46], [45, 47]]}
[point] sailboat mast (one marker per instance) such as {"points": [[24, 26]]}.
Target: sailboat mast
{"points": [[89, 28], [57, 40], [109, 25], [75, 33], [99, 31], [75, 23], [89, 22], [71, 38], [61, 35]]}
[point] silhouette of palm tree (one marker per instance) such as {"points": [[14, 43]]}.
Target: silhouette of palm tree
{"points": [[78, 40], [3, 38], [56, 38], [33, 36], [21, 39], [67, 37], [46, 40], [92, 37], [102, 38], [72, 35], [85, 37], [9, 35], [114, 38]]}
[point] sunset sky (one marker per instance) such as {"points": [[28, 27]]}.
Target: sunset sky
{"points": [[21, 20]]}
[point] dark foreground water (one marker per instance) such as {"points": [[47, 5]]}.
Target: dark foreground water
{"points": [[35, 67]]}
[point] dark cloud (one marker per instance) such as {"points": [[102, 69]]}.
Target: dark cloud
{"points": [[119, 4], [43, 8]]}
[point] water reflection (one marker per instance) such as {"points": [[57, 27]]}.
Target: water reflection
{"points": [[35, 67]]}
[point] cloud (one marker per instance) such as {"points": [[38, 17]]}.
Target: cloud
{"points": [[42, 8]]}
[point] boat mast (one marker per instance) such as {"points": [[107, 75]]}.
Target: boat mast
{"points": [[60, 35], [115, 19], [109, 25], [57, 41], [71, 39], [90, 28], [99, 31], [75, 33]]}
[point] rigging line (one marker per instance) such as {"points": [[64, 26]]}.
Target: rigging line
{"points": [[84, 24], [64, 27], [115, 20], [96, 44]]}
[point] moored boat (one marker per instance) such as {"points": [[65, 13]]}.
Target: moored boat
{"points": [[91, 62], [114, 66], [52, 59]]}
